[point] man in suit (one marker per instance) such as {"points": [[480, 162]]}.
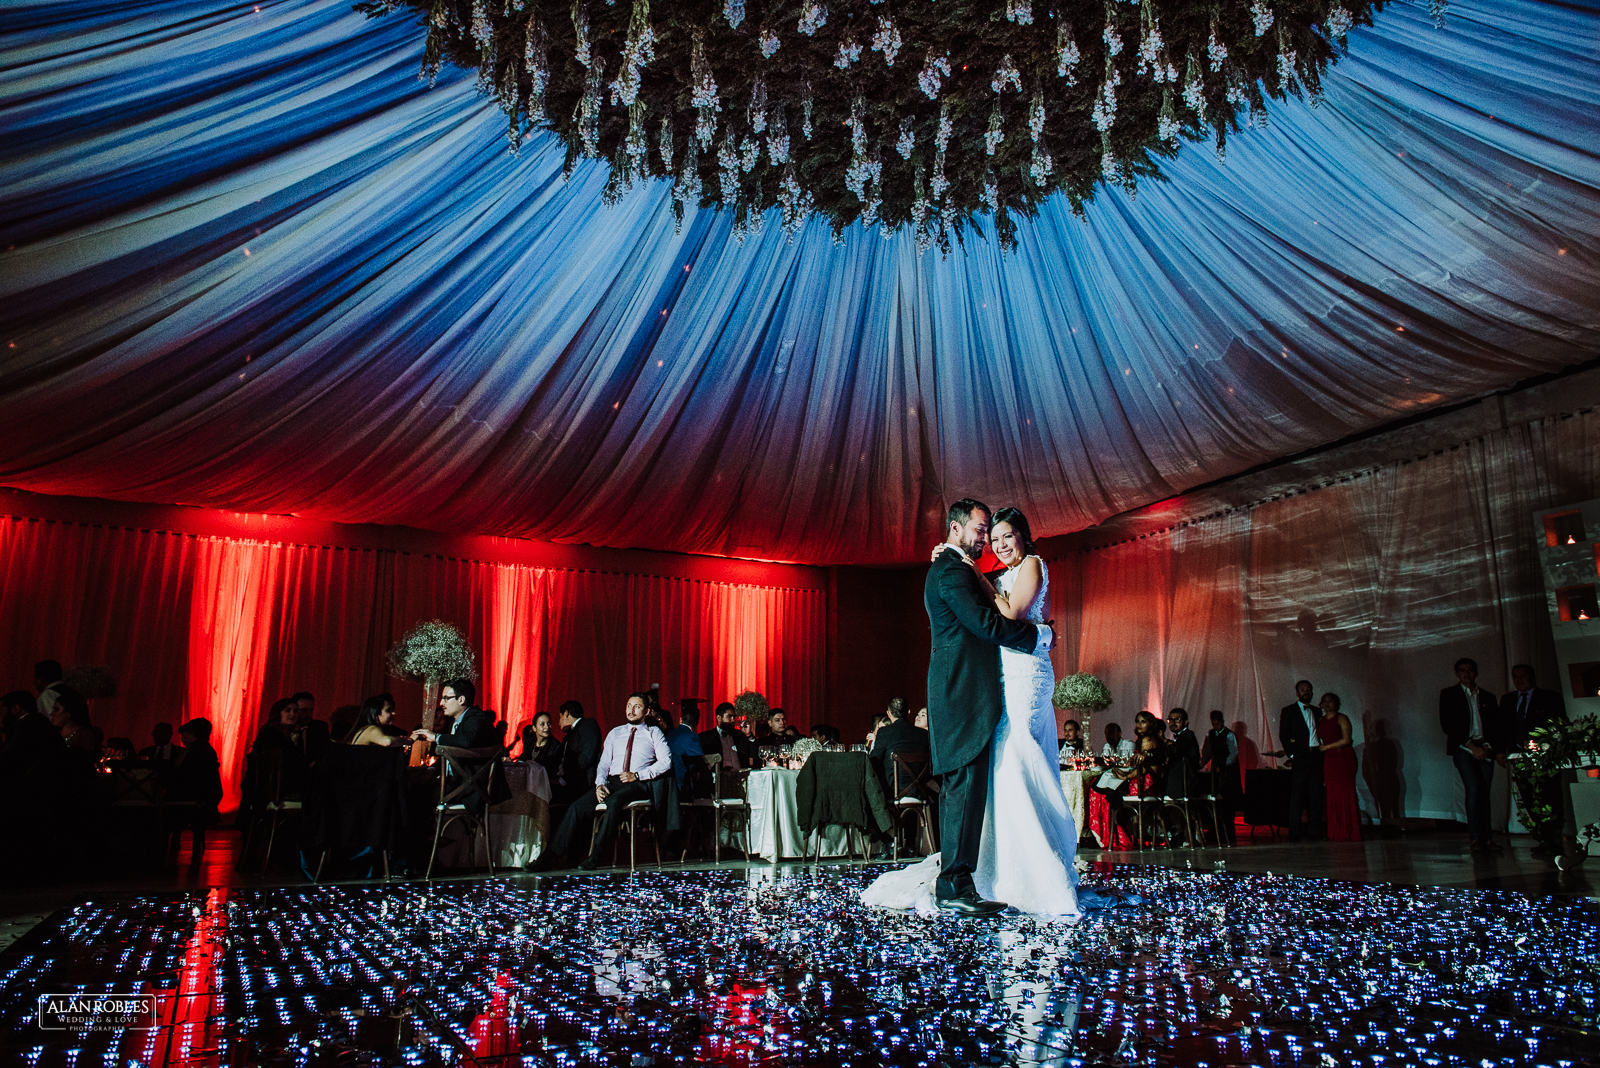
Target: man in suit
{"points": [[1522, 711], [163, 753], [1297, 731], [899, 735], [635, 755], [735, 746], [581, 753], [964, 701], [470, 726], [1470, 719], [311, 731]]}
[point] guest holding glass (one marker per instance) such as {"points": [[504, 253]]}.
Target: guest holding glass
{"points": [[1338, 771]]}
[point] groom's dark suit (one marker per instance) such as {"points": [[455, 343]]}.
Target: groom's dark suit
{"points": [[964, 705]]}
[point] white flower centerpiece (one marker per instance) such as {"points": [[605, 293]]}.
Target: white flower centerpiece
{"points": [[430, 653], [1084, 694]]}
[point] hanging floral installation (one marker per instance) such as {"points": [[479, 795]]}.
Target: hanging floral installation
{"points": [[894, 113]]}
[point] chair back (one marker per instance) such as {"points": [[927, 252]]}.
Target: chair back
{"points": [[356, 798], [137, 787], [699, 776], [467, 776], [910, 773], [264, 774]]}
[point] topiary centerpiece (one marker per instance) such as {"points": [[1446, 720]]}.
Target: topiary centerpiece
{"points": [[752, 706], [894, 112], [431, 653], [1084, 694]]}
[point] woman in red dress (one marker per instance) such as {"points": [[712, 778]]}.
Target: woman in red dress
{"points": [[1338, 771]]}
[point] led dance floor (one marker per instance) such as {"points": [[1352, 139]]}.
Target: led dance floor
{"points": [[785, 967]]}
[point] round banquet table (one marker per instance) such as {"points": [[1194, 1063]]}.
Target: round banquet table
{"points": [[520, 826], [775, 821]]}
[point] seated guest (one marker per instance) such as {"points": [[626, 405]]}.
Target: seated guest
{"points": [[119, 753], [70, 716], [196, 776], [311, 733], [374, 725], [342, 724], [899, 735], [275, 742], [824, 734], [727, 739], [1072, 743], [1117, 755], [880, 720], [921, 718], [682, 740], [162, 753], [541, 746], [470, 726], [1117, 750], [47, 677], [580, 753], [634, 754], [31, 741]]}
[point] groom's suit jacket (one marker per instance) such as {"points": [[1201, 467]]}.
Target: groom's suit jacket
{"points": [[964, 670]]}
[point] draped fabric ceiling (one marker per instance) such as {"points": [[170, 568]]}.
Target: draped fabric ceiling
{"points": [[250, 262]]}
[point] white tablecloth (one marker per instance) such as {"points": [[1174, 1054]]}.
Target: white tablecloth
{"points": [[519, 828], [1072, 786], [775, 822]]}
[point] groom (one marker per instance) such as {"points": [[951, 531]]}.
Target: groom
{"points": [[964, 697]]}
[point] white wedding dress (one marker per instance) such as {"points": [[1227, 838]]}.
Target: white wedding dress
{"points": [[1030, 842]]}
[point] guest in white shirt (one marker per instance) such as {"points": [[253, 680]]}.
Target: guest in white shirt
{"points": [[633, 755]]}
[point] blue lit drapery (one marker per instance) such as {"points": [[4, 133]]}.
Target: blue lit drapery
{"points": [[251, 262]]}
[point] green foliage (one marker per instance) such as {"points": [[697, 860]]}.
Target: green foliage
{"points": [[1553, 750]]}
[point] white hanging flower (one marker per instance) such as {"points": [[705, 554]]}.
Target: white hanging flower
{"points": [[728, 171], [482, 31], [733, 11], [858, 126], [849, 52], [703, 93], [756, 113], [580, 28], [1167, 128], [996, 133], [778, 145], [813, 16], [1286, 61], [886, 40], [749, 153], [1149, 46], [636, 146], [907, 141], [933, 72], [1194, 94], [1261, 15], [1339, 24], [1216, 50], [946, 127], [1105, 106], [769, 43], [1020, 12], [1113, 40], [1108, 166], [1066, 54], [1006, 75], [991, 192], [1041, 166], [1036, 117], [664, 143]]}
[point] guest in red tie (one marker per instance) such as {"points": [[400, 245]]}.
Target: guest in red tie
{"points": [[1338, 771], [634, 754]]}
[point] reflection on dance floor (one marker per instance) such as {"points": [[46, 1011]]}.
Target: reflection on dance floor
{"points": [[756, 966]]}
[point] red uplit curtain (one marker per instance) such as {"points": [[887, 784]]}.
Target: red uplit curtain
{"points": [[219, 627]]}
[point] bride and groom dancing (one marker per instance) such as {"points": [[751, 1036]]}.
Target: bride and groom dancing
{"points": [[1006, 832]]}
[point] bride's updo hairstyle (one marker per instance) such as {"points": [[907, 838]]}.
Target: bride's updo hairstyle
{"points": [[1019, 523]]}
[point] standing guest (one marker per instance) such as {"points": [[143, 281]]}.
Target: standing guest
{"points": [[580, 752], [470, 726], [1522, 711], [31, 740], [1338, 771], [541, 746], [374, 725], [47, 680], [310, 732], [1183, 768], [161, 753], [634, 755], [682, 740], [1220, 754], [727, 739], [1297, 730], [197, 777], [1470, 719]]}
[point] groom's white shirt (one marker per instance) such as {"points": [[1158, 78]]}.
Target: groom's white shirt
{"points": [[1046, 635]]}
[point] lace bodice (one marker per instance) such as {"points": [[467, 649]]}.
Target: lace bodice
{"points": [[1039, 610]]}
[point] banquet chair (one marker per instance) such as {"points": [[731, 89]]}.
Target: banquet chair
{"points": [[1209, 798], [917, 769], [729, 800], [467, 802], [144, 790], [265, 770], [631, 810], [355, 809]]}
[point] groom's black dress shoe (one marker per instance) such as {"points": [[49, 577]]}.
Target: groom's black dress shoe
{"points": [[970, 904]]}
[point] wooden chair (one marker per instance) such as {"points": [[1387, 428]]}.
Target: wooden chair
{"points": [[913, 771], [456, 765], [729, 800], [265, 768], [631, 811]]}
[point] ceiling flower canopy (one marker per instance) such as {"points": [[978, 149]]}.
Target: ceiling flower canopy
{"points": [[899, 113]]}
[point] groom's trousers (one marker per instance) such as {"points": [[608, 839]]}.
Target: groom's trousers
{"points": [[963, 796]]}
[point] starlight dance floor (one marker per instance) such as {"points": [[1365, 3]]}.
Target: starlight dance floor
{"points": [[753, 966]]}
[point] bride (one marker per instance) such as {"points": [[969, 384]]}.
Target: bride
{"points": [[1029, 839]]}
